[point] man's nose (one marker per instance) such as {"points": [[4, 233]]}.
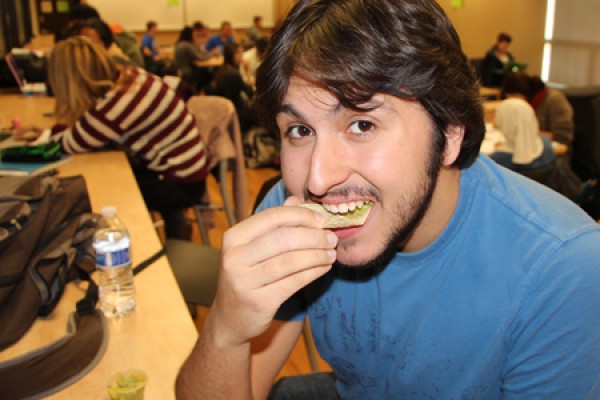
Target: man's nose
{"points": [[329, 165]]}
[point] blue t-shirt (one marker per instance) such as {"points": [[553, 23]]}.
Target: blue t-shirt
{"points": [[216, 41], [505, 304], [149, 42]]}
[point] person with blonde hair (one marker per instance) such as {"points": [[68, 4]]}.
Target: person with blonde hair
{"points": [[99, 103]]}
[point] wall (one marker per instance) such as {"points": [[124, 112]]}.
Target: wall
{"points": [[478, 23], [174, 14]]}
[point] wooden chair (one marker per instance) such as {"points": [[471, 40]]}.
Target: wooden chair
{"points": [[218, 125]]}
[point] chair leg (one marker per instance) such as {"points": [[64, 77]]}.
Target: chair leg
{"points": [[311, 349], [223, 184], [202, 226]]}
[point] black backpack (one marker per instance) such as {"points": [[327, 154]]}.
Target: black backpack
{"points": [[46, 233]]}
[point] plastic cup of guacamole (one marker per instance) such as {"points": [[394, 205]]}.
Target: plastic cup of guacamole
{"points": [[127, 385]]}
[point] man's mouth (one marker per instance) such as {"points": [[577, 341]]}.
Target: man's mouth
{"points": [[342, 215]]}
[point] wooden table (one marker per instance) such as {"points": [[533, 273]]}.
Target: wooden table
{"points": [[211, 62], [489, 92], [159, 335]]}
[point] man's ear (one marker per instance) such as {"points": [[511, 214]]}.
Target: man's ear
{"points": [[454, 139]]}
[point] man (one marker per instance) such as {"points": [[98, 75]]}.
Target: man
{"points": [[219, 40], [152, 55], [254, 32], [493, 68], [465, 282]]}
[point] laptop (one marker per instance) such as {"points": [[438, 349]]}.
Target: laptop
{"points": [[514, 66], [26, 88]]}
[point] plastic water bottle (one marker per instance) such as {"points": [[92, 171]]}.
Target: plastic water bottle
{"points": [[113, 261]]}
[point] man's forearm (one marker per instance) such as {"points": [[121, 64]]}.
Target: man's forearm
{"points": [[213, 371]]}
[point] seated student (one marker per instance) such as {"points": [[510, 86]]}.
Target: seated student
{"points": [[100, 33], [219, 40], [228, 82], [524, 147], [79, 13], [493, 67], [185, 56], [200, 37], [127, 41], [152, 56], [254, 32], [552, 108], [99, 102], [529, 153], [252, 59]]}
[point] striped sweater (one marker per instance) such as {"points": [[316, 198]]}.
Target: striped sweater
{"points": [[149, 119]]}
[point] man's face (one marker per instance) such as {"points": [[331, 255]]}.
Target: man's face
{"points": [[503, 46], [335, 155], [226, 30]]}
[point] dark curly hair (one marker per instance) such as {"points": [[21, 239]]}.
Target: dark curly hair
{"points": [[357, 48]]}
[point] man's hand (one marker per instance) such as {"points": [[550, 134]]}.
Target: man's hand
{"points": [[266, 259]]}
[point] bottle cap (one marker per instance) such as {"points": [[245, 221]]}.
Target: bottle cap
{"points": [[108, 211]]}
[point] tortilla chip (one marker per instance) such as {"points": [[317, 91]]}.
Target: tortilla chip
{"points": [[332, 221]]}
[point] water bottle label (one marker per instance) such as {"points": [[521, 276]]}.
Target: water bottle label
{"points": [[115, 258]]}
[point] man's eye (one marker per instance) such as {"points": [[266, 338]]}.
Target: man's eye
{"points": [[298, 131], [361, 127]]}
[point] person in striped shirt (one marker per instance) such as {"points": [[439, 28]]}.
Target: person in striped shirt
{"points": [[99, 104]]}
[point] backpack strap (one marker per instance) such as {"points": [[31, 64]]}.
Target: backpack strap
{"points": [[51, 368]]}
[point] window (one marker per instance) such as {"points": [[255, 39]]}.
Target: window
{"points": [[572, 42]]}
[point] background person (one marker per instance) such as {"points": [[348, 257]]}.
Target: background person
{"points": [[200, 36], [186, 54], [128, 43], [78, 14], [524, 147], [153, 59], [229, 83], [254, 32], [493, 67], [527, 152], [252, 58], [99, 103], [552, 108], [465, 281], [100, 33], [218, 41]]}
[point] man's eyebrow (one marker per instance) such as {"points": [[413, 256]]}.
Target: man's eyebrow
{"points": [[289, 109]]}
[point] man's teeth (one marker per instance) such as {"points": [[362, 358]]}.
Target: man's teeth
{"points": [[344, 208]]}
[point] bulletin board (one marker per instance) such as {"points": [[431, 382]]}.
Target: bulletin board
{"points": [[174, 14]]}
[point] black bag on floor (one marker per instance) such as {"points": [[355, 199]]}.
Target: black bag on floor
{"points": [[46, 233], [261, 148]]}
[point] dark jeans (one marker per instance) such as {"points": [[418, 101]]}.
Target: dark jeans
{"points": [[318, 386], [170, 199]]}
